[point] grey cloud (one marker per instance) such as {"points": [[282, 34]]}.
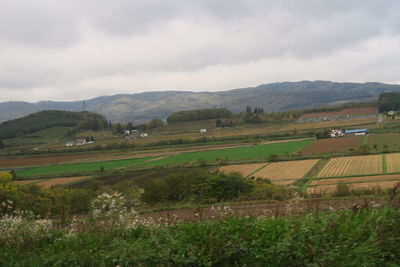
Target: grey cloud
{"points": [[66, 45]]}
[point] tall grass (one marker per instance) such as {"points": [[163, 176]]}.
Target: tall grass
{"points": [[361, 237]]}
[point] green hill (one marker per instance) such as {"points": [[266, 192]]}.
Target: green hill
{"points": [[39, 121]]}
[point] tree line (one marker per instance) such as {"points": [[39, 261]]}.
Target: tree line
{"points": [[199, 114], [388, 102]]}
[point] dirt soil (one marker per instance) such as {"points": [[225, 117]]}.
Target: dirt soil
{"points": [[339, 144], [343, 112]]}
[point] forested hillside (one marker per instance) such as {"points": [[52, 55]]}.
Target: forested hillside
{"points": [[199, 114], [274, 97], [51, 118]]}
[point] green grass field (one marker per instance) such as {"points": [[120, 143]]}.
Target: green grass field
{"points": [[248, 152], [46, 136], [80, 167]]}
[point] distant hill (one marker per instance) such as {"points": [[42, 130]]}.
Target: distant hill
{"points": [[48, 119], [271, 97]]}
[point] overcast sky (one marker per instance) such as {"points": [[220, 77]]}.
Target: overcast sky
{"points": [[79, 49]]}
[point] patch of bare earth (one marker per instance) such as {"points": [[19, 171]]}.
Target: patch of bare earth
{"points": [[343, 112], [338, 144], [60, 181]]}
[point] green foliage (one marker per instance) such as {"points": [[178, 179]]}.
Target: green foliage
{"points": [[7, 183], [50, 118], [43, 202], [156, 123], [263, 189], [119, 129], [196, 186], [199, 114], [322, 134], [13, 174], [388, 102], [342, 189], [367, 237]]}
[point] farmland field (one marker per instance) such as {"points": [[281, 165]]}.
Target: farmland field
{"points": [[49, 135], [356, 179], [332, 188], [24, 182], [339, 144], [60, 181], [284, 182], [329, 124], [393, 162], [381, 141], [79, 167], [351, 166], [343, 112], [243, 169], [247, 152], [47, 183], [286, 170]]}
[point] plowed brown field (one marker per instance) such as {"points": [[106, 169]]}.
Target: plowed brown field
{"points": [[339, 144], [328, 124], [356, 179], [352, 166], [343, 112], [243, 169], [286, 170]]}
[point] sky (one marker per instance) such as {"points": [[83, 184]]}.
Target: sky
{"points": [[72, 49]]}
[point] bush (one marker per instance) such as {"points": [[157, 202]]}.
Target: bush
{"points": [[264, 189], [342, 189], [196, 186]]}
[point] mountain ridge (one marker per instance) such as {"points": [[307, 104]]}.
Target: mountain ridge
{"points": [[272, 97]]}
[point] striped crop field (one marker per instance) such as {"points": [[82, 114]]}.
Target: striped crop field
{"points": [[243, 169], [377, 178], [352, 166], [393, 162], [326, 189], [286, 170]]}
